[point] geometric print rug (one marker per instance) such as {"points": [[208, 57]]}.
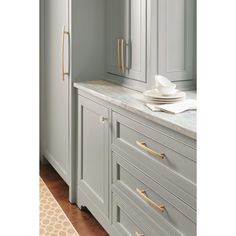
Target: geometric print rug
{"points": [[53, 221]]}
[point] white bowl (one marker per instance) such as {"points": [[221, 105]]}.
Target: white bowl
{"points": [[162, 81], [168, 90]]}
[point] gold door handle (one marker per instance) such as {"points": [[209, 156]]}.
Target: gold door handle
{"points": [[124, 67], [63, 53], [123, 56], [137, 234], [143, 195], [149, 150], [118, 55]]}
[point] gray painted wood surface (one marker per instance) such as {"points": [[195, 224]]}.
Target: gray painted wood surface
{"points": [[177, 214], [93, 152], [170, 48], [170, 184], [87, 58], [176, 39], [179, 165], [127, 19], [54, 92], [126, 221], [85, 21]]}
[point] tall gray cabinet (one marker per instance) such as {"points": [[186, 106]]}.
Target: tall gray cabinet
{"points": [[55, 83], [72, 50]]}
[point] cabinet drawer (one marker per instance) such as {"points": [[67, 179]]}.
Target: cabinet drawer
{"points": [[168, 160], [159, 204], [128, 220]]}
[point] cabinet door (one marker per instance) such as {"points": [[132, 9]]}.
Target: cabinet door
{"points": [[176, 39], [127, 21], [93, 153], [54, 93]]}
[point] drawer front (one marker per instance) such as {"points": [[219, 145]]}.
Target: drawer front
{"points": [[128, 220], [163, 155], [162, 206]]}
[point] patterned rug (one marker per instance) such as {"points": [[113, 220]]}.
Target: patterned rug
{"points": [[53, 221]]}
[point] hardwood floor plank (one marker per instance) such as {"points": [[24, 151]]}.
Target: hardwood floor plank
{"points": [[83, 221]]}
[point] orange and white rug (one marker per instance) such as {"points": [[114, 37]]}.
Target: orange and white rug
{"points": [[53, 221]]}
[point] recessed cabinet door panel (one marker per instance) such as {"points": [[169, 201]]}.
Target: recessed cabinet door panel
{"points": [[176, 39], [55, 97], [93, 149], [127, 20]]}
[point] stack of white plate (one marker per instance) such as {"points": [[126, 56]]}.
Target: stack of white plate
{"points": [[154, 96]]}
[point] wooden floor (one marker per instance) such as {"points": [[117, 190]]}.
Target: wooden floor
{"points": [[83, 221]]}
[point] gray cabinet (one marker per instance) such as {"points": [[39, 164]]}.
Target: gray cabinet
{"points": [[78, 27], [93, 179], [174, 169], [149, 37], [126, 41], [126, 44], [176, 24], [141, 180], [171, 214], [54, 90]]}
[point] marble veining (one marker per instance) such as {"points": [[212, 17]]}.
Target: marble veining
{"points": [[184, 123]]}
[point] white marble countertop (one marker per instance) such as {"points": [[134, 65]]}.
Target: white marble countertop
{"points": [[184, 123]]}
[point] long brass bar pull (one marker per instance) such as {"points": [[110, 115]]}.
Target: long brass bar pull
{"points": [[123, 55], [149, 150], [143, 195], [118, 55], [63, 73], [137, 234]]}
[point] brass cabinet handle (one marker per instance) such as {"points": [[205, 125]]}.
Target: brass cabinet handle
{"points": [[143, 195], [123, 55], [62, 53], [118, 55], [137, 234], [147, 149]]}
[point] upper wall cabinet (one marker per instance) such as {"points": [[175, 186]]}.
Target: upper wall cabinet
{"points": [[127, 40], [176, 39], [148, 37]]}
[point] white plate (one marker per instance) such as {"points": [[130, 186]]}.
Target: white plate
{"points": [[156, 94], [159, 102], [164, 99], [163, 102], [175, 91]]}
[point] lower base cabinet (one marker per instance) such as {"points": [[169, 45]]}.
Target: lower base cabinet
{"points": [[125, 198], [93, 179]]}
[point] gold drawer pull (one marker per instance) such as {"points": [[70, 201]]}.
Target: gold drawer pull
{"points": [[143, 195], [145, 148], [137, 234], [118, 55]]}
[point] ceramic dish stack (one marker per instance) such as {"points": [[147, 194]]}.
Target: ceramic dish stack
{"points": [[156, 97], [165, 92]]}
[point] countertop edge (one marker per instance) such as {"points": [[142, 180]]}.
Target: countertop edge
{"points": [[168, 124]]}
